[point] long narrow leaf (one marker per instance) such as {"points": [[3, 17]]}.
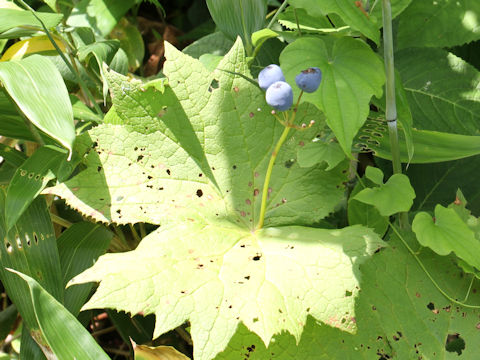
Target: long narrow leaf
{"points": [[38, 89], [64, 334]]}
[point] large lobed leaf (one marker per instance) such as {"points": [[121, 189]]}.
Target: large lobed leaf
{"points": [[195, 149], [192, 156], [218, 275]]}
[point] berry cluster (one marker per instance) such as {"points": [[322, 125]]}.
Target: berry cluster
{"points": [[279, 94]]}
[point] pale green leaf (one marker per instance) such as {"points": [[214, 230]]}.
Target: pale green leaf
{"points": [[270, 280], [446, 99], [447, 233], [153, 164], [38, 89], [192, 156], [65, 336], [439, 23], [396, 195], [347, 10], [351, 74]]}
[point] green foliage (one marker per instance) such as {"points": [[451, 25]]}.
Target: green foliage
{"points": [[396, 195], [439, 23], [350, 77], [39, 91], [233, 231], [347, 11]]}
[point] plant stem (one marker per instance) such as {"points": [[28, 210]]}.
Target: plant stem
{"points": [[60, 221], [268, 175], [391, 106], [274, 18]]}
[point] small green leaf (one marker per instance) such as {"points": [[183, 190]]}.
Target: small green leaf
{"points": [[367, 215], [12, 18], [351, 74], [447, 233], [260, 36], [346, 9], [396, 195], [318, 151], [65, 336], [143, 352], [38, 89], [374, 174]]}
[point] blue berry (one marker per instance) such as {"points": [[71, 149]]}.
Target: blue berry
{"points": [[269, 75], [279, 96], [309, 80]]}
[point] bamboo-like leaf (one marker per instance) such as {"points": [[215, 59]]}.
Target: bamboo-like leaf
{"points": [[30, 179], [38, 89], [64, 334]]}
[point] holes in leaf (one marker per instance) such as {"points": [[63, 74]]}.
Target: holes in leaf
{"points": [[288, 164], [213, 85], [255, 320], [377, 134], [257, 257], [234, 167], [99, 168], [140, 157], [8, 246], [430, 306], [373, 142], [199, 193], [35, 238], [348, 293], [364, 137], [168, 172], [27, 240], [30, 176], [455, 343]]}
